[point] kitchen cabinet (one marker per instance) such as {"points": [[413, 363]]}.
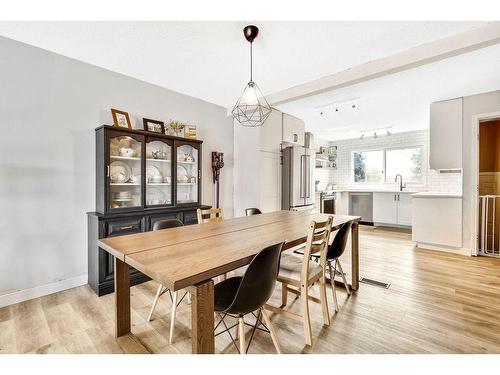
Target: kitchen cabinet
{"points": [[342, 203], [270, 132], [446, 134], [404, 209], [293, 130], [385, 208], [437, 221], [392, 208]]}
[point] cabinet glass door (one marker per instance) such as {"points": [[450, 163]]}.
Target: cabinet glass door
{"points": [[158, 172], [124, 172], [187, 174]]}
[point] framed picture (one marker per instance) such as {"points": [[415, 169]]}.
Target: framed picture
{"points": [[121, 119], [190, 131], [153, 126]]}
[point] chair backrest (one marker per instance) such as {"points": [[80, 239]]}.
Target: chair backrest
{"points": [[214, 214], [257, 285], [252, 211], [336, 249], [317, 242], [167, 223]]}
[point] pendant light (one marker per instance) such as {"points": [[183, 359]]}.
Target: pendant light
{"points": [[252, 109]]}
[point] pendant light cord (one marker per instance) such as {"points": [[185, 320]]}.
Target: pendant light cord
{"points": [[251, 78]]}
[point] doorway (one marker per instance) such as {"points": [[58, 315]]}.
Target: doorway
{"points": [[488, 239]]}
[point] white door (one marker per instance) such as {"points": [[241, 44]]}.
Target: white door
{"points": [[270, 181], [385, 208], [404, 209]]}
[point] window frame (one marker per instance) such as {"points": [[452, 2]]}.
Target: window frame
{"points": [[384, 151]]}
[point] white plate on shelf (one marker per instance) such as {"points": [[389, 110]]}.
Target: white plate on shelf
{"points": [[182, 174], [151, 171], [155, 196], [119, 172]]}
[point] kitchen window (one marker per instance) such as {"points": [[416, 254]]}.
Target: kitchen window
{"points": [[383, 165]]}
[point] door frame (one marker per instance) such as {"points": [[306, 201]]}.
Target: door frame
{"points": [[474, 204]]}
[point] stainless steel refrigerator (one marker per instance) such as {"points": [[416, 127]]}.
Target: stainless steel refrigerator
{"points": [[297, 178]]}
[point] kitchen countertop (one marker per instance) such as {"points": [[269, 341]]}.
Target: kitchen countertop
{"points": [[433, 194], [367, 191], [415, 194]]}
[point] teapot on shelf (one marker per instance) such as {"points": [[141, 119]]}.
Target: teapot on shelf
{"points": [[126, 151], [188, 157], [158, 154]]}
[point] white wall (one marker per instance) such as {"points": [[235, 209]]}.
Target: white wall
{"points": [[257, 169], [472, 106], [49, 107], [432, 181]]}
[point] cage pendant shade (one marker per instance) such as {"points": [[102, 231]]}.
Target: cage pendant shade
{"points": [[252, 109]]}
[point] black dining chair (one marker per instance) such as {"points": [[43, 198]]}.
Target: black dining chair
{"points": [[252, 211], [241, 295], [335, 250], [159, 225]]}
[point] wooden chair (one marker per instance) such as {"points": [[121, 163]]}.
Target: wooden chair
{"points": [[214, 214], [334, 252], [174, 297], [303, 273]]}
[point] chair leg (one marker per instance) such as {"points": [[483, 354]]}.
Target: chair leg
{"points": [[306, 320], [324, 300], [284, 294], [242, 335], [158, 293], [332, 281], [172, 317], [343, 277], [271, 330]]}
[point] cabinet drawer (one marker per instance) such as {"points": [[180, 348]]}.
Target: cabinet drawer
{"points": [[190, 218], [124, 226], [154, 219]]}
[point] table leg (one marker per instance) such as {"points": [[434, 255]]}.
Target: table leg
{"points": [[355, 255], [202, 317], [122, 298]]}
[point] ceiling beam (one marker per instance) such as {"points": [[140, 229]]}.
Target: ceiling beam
{"points": [[440, 49]]}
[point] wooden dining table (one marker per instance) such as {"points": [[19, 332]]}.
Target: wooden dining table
{"points": [[189, 257]]}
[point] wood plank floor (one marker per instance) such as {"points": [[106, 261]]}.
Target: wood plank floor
{"points": [[437, 303]]}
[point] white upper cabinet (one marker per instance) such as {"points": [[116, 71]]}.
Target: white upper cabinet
{"points": [[270, 132], [446, 134], [293, 130]]}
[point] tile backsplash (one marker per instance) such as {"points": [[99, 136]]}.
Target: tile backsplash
{"points": [[433, 180]]}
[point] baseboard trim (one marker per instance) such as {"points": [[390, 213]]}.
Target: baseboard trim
{"points": [[448, 249], [42, 290]]}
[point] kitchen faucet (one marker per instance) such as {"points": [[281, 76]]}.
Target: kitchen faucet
{"points": [[401, 186]]}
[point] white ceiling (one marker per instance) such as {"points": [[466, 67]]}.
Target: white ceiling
{"points": [[399, 101], [209, 60]]}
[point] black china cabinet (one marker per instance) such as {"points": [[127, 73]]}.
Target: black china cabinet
{"points": [[141, 177]]}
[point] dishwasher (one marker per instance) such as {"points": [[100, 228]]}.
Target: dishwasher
{"points": [[361, 204]]}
